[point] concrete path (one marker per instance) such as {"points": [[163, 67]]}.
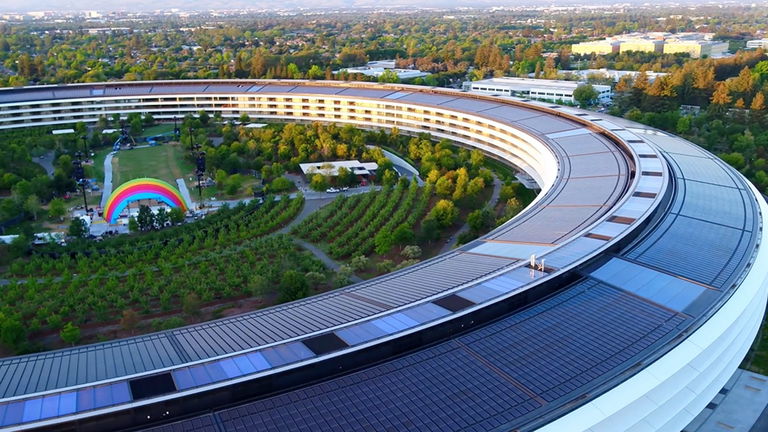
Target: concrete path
{"points": [[309, 195], [310, 206], [184, 192], [328, 261], [107, 190], [464, 228], [402, 167], [46, 161], [742, 405]]}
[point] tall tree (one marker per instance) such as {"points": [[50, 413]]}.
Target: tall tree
{"points": [[758, 102], [145, 218], [721, 96], [258, 65], [70, 333]]}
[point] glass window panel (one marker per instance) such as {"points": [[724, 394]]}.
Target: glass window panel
{"points": [[298, 351], [215, 371], [120, 393], [274, 356], [403, 319], [386, 326], [67, 403], [13, 413], [183, 379], [360, 333], [32, 409], [479, 293], [230, 368], [258, 361], [199, 375], [244, 365], [102, 396], [50, 406], [85, 399]]}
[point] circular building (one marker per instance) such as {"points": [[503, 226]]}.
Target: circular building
{"points": [[623, 298]]}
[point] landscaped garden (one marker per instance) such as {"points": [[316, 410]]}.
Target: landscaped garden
{"points": [[233, 260], [157, 280], [166, 162]]}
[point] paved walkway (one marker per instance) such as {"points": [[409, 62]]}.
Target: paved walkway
{"points": [[310, 206], [742, 405], [402, 167], [184, 192], [107, 190], [46, 161], [464, 228], [330, 263]]}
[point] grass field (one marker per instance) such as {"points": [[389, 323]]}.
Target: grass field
{"points": [[165, 162], [157, 130]]}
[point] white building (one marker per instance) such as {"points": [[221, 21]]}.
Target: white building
{"points": [[553, 90], [758, 43], [386, 64], [376, 72], [331, 169], [613, 74]]}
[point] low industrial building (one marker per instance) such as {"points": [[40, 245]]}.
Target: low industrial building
{"points": [[596, 47], [403, 74], [696, 48], [553, 90], [696, 44], [614, 75], [331, 169], [758, 43], [642, 45]]}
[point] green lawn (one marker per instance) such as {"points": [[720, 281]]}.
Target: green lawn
{"points": [[157, 130], [97, 170], [165, 162]]}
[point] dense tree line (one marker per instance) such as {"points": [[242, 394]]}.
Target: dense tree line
{"points": [[718, 103], [263, 46]]}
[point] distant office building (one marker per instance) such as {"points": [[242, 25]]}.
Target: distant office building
{"points": [[614, 75], [596, 47], [695, 48], [759, 43], [695, 44], [376, 72], [331, 169], [535, 88], [642, 45], [386, 64]]}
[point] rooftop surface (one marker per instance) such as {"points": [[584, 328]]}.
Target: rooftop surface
{"points": [[694, 223]]}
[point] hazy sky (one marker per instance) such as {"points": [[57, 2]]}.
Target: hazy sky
{"points": [[148, 5]]}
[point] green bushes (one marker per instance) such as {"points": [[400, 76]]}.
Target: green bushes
{"points": [[351, 225], [231, 256]]}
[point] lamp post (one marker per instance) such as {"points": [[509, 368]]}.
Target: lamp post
{"points": [[200, 171], [191, 142], [79, 175]]}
